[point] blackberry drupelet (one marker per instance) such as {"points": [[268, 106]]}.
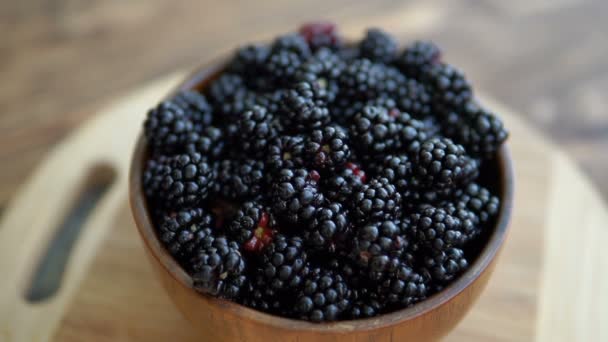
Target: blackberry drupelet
{"points": [[325, 296], [303, 108], [256, 128], [418, 56], [342, 184], [443, 266], [284, 262], [240, 178], [167, 126], [329, 227], [441, 164], [285, 152], [321, 35], [480, 201], [179, 230], [217, 267], [180, 180], [296, 196], [365, 303], [209, 142], [376, 200], [378, 46], [327, 148], [252, 226], [450, 88]]}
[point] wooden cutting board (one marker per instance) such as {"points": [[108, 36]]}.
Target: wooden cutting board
{"points": [[551, 283]]}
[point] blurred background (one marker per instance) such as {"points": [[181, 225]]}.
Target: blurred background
{"points": [[60, 60]]}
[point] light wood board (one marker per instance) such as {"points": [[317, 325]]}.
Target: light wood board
{"points": [[550, 285]]}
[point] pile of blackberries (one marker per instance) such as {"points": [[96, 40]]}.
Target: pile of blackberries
{"points": [[321, 180]]}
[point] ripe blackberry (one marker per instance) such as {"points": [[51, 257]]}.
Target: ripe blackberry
{"points": [[418, 56], [374, 131], [378, 248], [406, 288], [285, 152], [196, 105], [282, 65], [180, 180], [209, 142], [240, 178], [248, 61], [256, 128], [327, 148], [328, 228], [252, 226], [295, 195], [323, 70], [302, 108], [378, 46], [257, 294], [477, 129], [178, 230], [362, 80], [376, 200], [321, 35], [470, 227], [450, 88], [443, 266], [284, 262], [480, 201], [167, 126], [412, 133], [217, 267], [441, 164], [343, 183], [365, 304], [413, 98], [324, 296], [293, 43], [397, 169], [230, 97], [436, 228]]}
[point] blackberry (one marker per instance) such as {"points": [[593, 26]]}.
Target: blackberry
{"points": [[285, 152], [248, 61], [217, 267], [294, 43], [257, 294], [376, 200], [378, 246], [302, 108], [295, 195], [329, 226], [343, 183], [450, 88], [324, 296], [412, 133], [470, 227], [405, 289], [252, 226], [230, 96], [361, 80], [478, 130], [178, 230], [437, 228], [196, 105], [180, 180], [323, 70], [378, 46], [284, 262], [441, 164], [167, 126], [209, 142], [418, 56], [374, 131], [480, 201], [413, 98], [397, 169], [327, 148], [256, 127], [282, 65], [321, 35], [365, 304], [443, 266], [240, 179]]}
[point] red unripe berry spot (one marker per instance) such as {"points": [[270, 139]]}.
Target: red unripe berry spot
{"points": [[314, 175], [311, 29]]}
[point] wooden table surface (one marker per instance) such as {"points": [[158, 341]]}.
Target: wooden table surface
{"points": [[60, 59]]}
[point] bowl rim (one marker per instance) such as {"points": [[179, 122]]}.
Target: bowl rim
{"points": [[157, 251]]}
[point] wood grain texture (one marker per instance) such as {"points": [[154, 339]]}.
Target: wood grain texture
{"points": [[120, 299], [61, 59]]}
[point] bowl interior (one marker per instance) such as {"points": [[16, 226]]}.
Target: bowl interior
{"points": [[497, 176]]}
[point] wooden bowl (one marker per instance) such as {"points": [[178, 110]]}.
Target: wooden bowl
{"points": [[221, 320]]}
